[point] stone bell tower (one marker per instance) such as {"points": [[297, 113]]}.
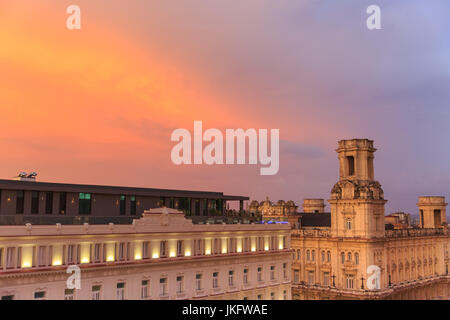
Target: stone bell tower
{"points": [[357, 200]]}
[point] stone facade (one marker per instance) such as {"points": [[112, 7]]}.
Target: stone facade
{"points": [[337, 262], [161, 255]]}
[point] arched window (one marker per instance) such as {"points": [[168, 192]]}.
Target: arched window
{"points": [[348, 224], [313, 255], [298, 254], [356, 258], [328, 256], [308, 257], [349, 256], [323, 256], [342, 257]]}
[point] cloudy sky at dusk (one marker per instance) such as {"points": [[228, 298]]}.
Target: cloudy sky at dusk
{"points": [[98, 105]]}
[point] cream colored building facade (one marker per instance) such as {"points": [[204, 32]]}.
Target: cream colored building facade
{"points": [[337, 262], [162, 255]]}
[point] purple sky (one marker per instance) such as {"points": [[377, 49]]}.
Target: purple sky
{"points": [[310, 68]]}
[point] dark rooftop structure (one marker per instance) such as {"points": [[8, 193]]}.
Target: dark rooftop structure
{"points": [[317, 220], [25, 201]]}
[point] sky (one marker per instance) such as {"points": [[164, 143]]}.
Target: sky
{"points": [[98, 105]]}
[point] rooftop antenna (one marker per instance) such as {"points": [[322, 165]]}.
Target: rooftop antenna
{"points": [[23, 176]]}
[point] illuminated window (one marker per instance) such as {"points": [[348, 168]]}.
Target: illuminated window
{"points": [[133, 205], [122, 205], [84, 203]]}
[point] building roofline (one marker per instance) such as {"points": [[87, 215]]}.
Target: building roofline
{"points": [[104, 189]]}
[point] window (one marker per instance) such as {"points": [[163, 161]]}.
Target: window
{"points": [[1, 258], [215, 280], [308, 255], [122, 201], [272, 295], [41, 256], [328, 256], [145, 288], [245, 280], [351, 165], [298, 254], [326, 278], [96, 292], [231, 278], [259, 297], [180, 248], [284, 295], [9, 297], [97, 252], [272, 272], [49, 202], [198, 282], [163, 287], [342, 257], [20, 196], [180, 284], [39, 295], [310, 277], [122, 251], [259, 274], [163, 249], [356, 258], [62, 202], [313, 255], [84, 204], [296, 276], [145, 251], [133, 205], [348, 224], [10, 257], [349, 256], [284, 270], [34, 202], [70, 254], [349, 282], [68, 294], [323, 256]]}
